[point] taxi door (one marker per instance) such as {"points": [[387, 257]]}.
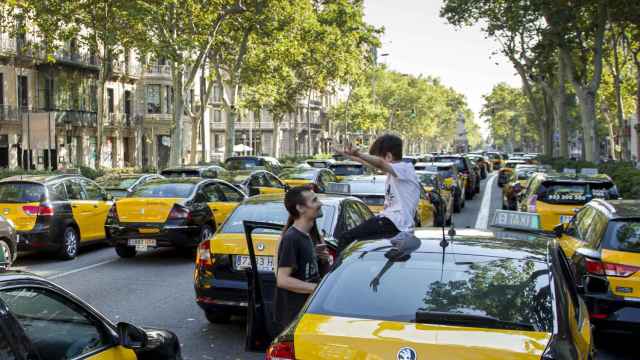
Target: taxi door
{"points": [[573, 236], [271, 185], [221, 199], [83, 210], [100, 207]]}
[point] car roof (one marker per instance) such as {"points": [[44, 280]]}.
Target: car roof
{"points": [[179, 180], [437, 163], [42, 179], [473, 242], [330, 199], [13, 275], [576, 178], [345, 162], [618, 209]]}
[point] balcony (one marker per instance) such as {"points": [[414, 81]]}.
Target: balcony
{"points": [[74, 58], [7, 45], [114, 120], [8, 113], [75, 118], [133, 69], [155, 70]]}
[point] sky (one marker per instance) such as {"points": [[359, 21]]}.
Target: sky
{"points": [[419, 41]]}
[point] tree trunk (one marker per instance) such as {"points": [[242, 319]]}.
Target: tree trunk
{"points": [[624, 141], [195, 133], [587, 105], [295, 130], [275, 139], [561, 110], [176, 158]]}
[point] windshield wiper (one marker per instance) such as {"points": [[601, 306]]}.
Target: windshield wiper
{"points": [[481, 321]]}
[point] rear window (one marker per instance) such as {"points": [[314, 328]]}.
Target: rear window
{"points": [[429, 180], [446, 172], [271, 213], [117, 183], [164, 190], [180, 173], [242, 164], [456, 160], [21, 192], [366, 286], [623, 236], [348, 170], [575, 192], [298, 175]]}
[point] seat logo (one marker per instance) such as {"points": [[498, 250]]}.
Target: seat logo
{"points": [[407, 353], [260, 246]]}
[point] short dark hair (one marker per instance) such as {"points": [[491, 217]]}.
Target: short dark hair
{"points": [[387, 143]]}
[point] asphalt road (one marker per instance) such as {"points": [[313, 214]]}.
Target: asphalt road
{"points": [[156, 289]]}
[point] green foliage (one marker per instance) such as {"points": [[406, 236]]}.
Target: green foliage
{"points": [[91, 173]]}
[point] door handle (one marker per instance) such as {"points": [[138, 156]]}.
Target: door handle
{"points": [[74, 206], [215, 210]]}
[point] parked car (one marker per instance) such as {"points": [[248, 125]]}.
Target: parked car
{"points": [[121, 185], [209, 171], [240, 163]]}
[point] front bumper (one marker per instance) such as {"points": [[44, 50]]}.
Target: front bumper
{"points": [[166, 235], [614, 313]]}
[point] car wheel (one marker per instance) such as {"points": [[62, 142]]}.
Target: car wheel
{"points": [[6, 250], [70, 242], [125, 251], [217, 317]]}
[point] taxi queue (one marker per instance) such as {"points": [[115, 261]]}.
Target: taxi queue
{"points": [[538, 295]]}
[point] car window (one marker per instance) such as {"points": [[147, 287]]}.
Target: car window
{"points": [[596, 230], [363, 210], [230, 194], [623, 235], [271, 212], [74, 190], [569, 284], [6, 352], [164, 190], [57, 327], [272, 181], [583, 223], [92, 190], [212, 193], [57, 192], [17, 192], [351, 216], [368, 286]]}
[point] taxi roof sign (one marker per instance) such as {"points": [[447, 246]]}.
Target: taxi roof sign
{"points": [[516, 220]]}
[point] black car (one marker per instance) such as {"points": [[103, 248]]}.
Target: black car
{"points": [[40, 320], [243, 163], [209, 171], [8, 242], [465, 168], [255, 182]]}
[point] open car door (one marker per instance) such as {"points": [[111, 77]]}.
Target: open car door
{"points": [[262, 289]]}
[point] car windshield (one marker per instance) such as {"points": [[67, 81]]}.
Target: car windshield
{"points": [[241, 164], [509, 290], [456, 160], [270, 212], [117, 183], [525, 174], [298, 175], [575, 193], [164, 190], [446, 172], [347, 170], [429, 180], [16, 192], [623, 235]]}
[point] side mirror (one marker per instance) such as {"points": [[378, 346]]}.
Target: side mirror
{"points": [[558, 230], [131, 336]]}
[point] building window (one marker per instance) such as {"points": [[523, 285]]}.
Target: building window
{"points": [[1, 90], [168, 98], [152, 94], [217, 116], [217, 93], [110, 100], [23, 91]]}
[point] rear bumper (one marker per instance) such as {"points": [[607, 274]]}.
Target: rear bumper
{"points": [[218, 289], [44, 236], [613, 313], [167, 236]]}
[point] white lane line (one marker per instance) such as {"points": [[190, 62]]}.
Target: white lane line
{"points": [[482, 222], [62, 274]]}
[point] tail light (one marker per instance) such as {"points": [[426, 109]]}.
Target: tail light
{"points": [[179, 212], [204, 258], [597, 267], [281, 351], [44, 209], [532, 204]]}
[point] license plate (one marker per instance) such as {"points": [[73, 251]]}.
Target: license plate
{"points": [[265, 263], [566, 218], [142, 244]]}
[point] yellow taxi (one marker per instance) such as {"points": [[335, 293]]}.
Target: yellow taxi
{"points": [[557, 197], [505, 173], [255, 182], [479, 297], [56, 213], [441, 197], [603, 243], [40, 320], [517, 181], [178, 212], [299, 176], [371, 188], [219, 277], [497, 160], [453, 181]]}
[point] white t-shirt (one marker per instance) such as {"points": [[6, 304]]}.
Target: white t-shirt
{"points": [[401, 196]]}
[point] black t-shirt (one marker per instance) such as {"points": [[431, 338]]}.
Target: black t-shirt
{"points": [[297, 251]]}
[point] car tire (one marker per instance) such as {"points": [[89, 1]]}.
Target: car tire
{"points": [[125, 251], [8, 254], [70, 243], [217, 317]]}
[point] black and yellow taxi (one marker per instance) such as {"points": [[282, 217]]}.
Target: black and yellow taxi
{"points": [[219, 278], [602, 242], [57, 213], [254, 182], [505, 173], [244, 163], [497, 159], [557, 197], [441, 197], [121, 185], [474, 296], [40, 320], [8, 242], [346, 168], [178, 212], [465, 172], [321, 177], [486, 166], [517, 182], [209, 171], [452, 180]]}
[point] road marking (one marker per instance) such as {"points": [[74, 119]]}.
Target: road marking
{"points": [[482, 222], [62, 274]]}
